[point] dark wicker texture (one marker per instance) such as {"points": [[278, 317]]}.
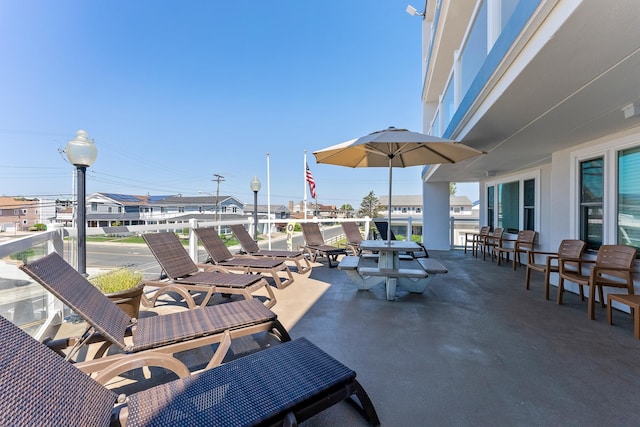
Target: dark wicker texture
{"points": [[252, 248], [38, 388], [314, 243], [260, 388], [74, 290], [221, 255], [180, 268]]}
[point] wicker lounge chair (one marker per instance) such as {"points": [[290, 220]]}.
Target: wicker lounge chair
{"points": [[315, 245], [38, 388], [157, 337], [251, 248], [220, 255], [186, 277], [383, 227], [354, 238]]}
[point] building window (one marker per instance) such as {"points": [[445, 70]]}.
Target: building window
{"points": [[629, 197], [490, 206], [119, 209], [234, 209], [224, 209], [529, 196], [180, 209], [508, 206], [109, 209], [591, 202], [94, 206]]}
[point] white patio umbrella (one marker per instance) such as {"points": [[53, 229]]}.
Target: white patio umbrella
{"points": [[395, 148]]}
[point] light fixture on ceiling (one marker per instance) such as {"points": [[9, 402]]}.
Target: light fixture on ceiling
{"points": [[631, 110], [413, 11]]}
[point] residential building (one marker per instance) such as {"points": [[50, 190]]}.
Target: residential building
{"points": [[403, 206], [549, 89], [111, 209], [18, 213]]}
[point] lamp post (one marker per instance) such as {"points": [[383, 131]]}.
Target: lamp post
{"points": [[81, 153], [255, 187]]}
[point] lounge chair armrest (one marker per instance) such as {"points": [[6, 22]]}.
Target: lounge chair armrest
{"points": [[165, 361], [212, 267]]}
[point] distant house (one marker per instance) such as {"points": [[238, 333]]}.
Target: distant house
{"points": [[18, 213], [412, 206], [112, 209], [318, 210]]}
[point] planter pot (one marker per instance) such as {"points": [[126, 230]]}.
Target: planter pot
{"points": [[128, 300]]}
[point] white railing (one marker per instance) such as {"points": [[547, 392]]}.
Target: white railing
{"points": [[28, 305]]}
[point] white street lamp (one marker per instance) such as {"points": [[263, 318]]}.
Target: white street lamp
{"points": [[81, 152]]}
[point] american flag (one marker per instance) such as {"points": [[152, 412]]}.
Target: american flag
{"points": [[312, 183]]}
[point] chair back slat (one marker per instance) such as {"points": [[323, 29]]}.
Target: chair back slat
{"points": [[40, 388], [352, 231], [570, 248], [243, 236], [213, 244], [312, 234], [526, 239], [170, 254], [72, 288], [484, 231], [617, 256]]}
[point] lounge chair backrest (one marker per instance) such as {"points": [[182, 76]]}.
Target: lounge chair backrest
{"points": [[312, 234], [247, 243], [484, 230], [570, 248], [383, 227], [40, 388], [617, 256], [170, 254], [214, 245], [72, 288], [352, 231]]}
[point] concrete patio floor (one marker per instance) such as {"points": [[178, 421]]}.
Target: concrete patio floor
{"points": [[477, 349]]}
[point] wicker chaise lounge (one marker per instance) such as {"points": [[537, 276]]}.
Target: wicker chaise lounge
{"points": [[38, 388], [186, 277], [251, 248], [221, 256], [151, 338], [354, 238], [315, 245]]}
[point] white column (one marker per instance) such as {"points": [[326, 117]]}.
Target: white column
{"points": [[435, 215]]}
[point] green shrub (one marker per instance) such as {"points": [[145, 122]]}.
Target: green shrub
{"points": [[116, 280]]}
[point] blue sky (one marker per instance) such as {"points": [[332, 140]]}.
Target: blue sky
{"points": [[175, 92]]}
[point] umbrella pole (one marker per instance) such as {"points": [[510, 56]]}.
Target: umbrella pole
{"points": [[389, 207]]}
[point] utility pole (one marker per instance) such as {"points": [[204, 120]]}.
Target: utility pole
{"points": [[218, 178]]}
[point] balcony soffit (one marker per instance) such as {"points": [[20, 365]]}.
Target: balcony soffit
{"points": [[571, 92]]}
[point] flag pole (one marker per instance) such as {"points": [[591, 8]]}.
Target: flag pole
{"points": [[304, 172], [268, 201]]}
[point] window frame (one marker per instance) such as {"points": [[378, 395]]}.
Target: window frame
{"points": [[608, 149], [520, 178]]}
